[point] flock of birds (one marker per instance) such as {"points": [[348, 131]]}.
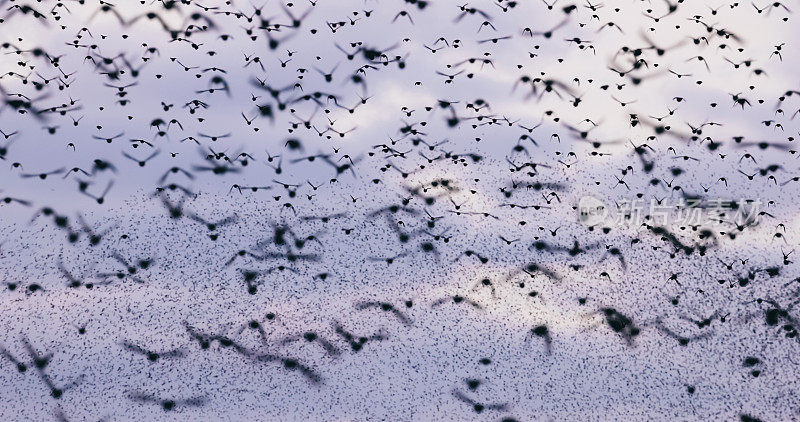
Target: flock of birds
{"points": [[285, 210]]}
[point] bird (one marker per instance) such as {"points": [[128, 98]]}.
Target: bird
{"points": [[309, 209]]}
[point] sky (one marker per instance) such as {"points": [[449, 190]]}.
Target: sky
{"points": [[514, 142]]}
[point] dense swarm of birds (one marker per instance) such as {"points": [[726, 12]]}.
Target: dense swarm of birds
{"points": [[404, 210]]}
